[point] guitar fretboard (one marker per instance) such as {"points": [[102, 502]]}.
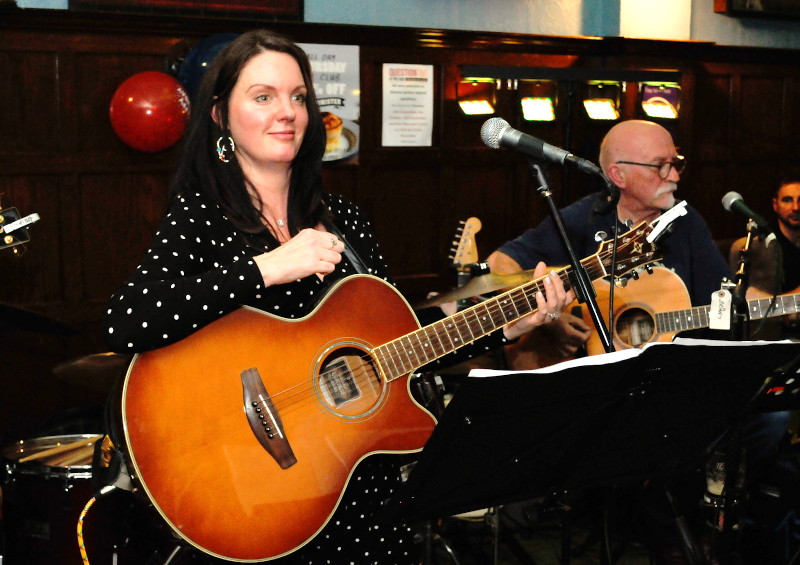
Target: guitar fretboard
{"points": [[698, 316], [401, 356]]}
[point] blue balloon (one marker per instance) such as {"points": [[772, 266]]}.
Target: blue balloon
{"points": [[199, 58]]}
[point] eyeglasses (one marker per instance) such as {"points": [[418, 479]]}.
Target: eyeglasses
{"points": [[679, 164]]}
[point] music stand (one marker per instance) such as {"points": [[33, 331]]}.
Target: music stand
{"points": [[612, 418]]}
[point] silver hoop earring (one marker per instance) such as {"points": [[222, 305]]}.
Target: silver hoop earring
{"points": [[222, 148]]}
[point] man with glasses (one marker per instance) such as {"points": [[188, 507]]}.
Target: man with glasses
{"points": [[640, 158]]}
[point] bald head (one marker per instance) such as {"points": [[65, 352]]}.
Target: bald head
{"points": [[634, 140], [630, 156]]}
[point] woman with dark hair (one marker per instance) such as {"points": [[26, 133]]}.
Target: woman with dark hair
{"points": [[248, 224]]}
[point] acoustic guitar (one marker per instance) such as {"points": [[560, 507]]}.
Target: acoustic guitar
{"points": [[645, 310], [244, 435]]}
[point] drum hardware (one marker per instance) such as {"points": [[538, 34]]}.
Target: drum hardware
{"points": [[46, 483], [432, 536]]}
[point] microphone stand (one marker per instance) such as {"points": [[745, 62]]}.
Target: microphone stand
{"points": [[584, 290], [729, 455], [740, 313]]}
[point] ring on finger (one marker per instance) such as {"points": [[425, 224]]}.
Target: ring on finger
{"points": [[334, 241], [552, 316]]}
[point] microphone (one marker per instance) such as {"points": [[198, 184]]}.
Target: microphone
{"points": [[496, 132], [733, 202]]}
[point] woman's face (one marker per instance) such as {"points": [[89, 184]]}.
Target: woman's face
{"points": [[267, 111]]}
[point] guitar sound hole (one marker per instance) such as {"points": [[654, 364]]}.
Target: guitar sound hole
{"points": [[349, 384], [634, 327]]}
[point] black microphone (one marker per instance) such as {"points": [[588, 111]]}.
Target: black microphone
{"points": [[733, 202], [496, 132]]}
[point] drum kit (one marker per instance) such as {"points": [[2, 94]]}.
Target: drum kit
{"points": [[46, 482]]}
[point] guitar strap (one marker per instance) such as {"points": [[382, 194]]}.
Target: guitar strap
{"points": [[349, 250]]}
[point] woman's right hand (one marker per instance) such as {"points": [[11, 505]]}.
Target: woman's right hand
{"points": [[310, 252]]}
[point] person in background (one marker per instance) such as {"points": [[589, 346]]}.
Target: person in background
{"points": [[249, 224], [773, 464], [774, 266]]}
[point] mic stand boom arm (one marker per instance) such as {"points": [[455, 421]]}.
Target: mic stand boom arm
{"points": [[584, 290]]}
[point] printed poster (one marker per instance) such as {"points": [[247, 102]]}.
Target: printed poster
{"points": [[336, 78], [407, 105]]}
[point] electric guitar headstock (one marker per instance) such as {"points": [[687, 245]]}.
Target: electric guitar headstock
{"points": [[13, 233], [465, 251]]}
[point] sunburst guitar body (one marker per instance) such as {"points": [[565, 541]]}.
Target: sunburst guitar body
{"points": [[244, 435]]}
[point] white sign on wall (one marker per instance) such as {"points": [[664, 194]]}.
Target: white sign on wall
{"points": [[407, 105]]}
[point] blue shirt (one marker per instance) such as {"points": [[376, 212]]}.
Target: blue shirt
{"points": [[688, 249]]}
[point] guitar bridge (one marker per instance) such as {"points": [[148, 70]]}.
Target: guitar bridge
{"points": [[264, 419]]}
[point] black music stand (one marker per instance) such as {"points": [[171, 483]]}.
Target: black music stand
{"points": [[635, 415]]}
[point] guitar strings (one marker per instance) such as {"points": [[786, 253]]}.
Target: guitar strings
{"points": [[296, 393], [518, 297]]}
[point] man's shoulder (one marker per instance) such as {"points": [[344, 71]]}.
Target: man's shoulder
{"points": [[584, 204], [580, 210]]}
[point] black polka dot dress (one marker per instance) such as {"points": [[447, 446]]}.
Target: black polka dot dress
{"points": [[200, 268]]}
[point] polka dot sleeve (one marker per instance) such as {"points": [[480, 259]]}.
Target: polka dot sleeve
{"points": [[195, 271]]}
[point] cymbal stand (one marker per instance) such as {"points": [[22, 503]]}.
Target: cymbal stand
{"points": [[432, 536]]}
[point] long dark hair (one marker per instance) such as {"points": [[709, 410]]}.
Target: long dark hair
{"points": [[199, 168]]}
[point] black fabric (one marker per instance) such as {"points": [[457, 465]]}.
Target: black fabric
{"points": [[519, 435]]}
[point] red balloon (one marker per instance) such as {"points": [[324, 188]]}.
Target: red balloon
{"points": [[149, 111]]}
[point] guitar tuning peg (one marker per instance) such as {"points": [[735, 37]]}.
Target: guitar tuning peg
{"points": [[621, 282], [649, 269], [635, 275]]}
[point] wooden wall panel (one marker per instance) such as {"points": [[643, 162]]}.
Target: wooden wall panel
{"points": [[34, 74], [118, 215], [763, 133], [712, 128], [405, 212]]}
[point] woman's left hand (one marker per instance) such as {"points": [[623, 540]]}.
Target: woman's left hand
{"points": [[550, 304]]}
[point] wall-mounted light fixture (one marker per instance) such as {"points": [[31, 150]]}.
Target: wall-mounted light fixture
{"points": [[660, 99], [602, 88], [538, 100], [477, 96], [601, 99]]}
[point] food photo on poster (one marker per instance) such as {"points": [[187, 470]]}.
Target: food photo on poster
{"points": [[337, 84]]}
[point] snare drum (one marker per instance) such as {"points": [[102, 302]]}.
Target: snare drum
{"points": [[47, 483]]}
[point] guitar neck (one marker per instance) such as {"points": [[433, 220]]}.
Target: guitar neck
{"points": [[403, 355], [698, 316], [682, 320], [784, 304]]}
